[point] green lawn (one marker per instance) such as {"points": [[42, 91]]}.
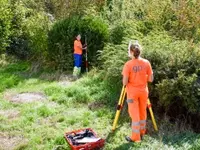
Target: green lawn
{"points": [[41, 125]]}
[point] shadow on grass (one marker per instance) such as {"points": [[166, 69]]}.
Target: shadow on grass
{"points": [[14, 73], [125, 146], [10, 75], [166, 136], [181, 139], [111, 135]]}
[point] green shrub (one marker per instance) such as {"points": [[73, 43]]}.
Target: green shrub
{"points": [[183, 23], [37, 27], [117, 34], [125, 30], [5, 24], [62, 36], [179, 92], [30, 26], [176, 69]]}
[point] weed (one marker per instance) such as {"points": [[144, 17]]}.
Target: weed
{"points": [[44, 111]]}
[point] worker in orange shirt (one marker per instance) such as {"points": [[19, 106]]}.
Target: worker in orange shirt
{"points": [[78, 51], [137, 72]]}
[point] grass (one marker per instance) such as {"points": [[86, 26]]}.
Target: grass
{"points": [[43, 123]]}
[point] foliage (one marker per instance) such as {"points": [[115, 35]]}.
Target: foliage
{"points": [[5, 24], [181, 21], [175, 65], [168, 31], [174, 16], [30, 25], [62, 36], [63, 9]]}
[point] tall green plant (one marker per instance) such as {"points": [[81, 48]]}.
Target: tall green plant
{"points": [[62, 36], [5, 24], [30, 25]]}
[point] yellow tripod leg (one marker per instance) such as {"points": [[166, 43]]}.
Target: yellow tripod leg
{"points": [[119, 107], [152, 116]]}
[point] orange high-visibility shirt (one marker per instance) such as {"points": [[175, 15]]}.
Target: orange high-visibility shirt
{"points": [[137, 71], [77, 47]]}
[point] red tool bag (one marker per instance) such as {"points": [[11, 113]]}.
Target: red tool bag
{"points": [[84, 139]]}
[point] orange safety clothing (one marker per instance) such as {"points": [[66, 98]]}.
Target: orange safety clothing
{"points": [[137, 71], [78, 47]]}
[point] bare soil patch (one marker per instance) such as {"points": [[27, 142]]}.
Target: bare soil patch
{"points": [[10, 114], [25, 97], [8, 142]]}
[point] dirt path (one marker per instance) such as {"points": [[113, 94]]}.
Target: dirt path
{"points": [[25, 97]]}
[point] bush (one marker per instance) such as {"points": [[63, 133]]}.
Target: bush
{"points": [[180, 93], [30, 28], [178, 18], [37, 27], [176, 69], [125, 30], [5, 24], [62, 36], [117, 34], [115, 54]]}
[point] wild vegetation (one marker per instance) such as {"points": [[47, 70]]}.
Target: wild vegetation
{"points": [[36, 57]]}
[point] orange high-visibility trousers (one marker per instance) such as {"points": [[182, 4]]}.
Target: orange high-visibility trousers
{"points": [[137, 104]]}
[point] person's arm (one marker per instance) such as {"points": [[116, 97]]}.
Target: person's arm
{"points": [[125, 80], [82, 47], [149, 73], [150, 78], [125, 74]]}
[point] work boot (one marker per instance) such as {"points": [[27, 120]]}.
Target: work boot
{"points": [[142, 135], [75, 72], [130, 140], [79, 71]]}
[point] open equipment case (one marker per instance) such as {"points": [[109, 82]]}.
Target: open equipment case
{"points": [[84, 139]]}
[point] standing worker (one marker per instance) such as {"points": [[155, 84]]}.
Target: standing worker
{"points": [[78, 51], [137, 72]]}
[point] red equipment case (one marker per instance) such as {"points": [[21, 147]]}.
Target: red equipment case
{"points": [[87, 146]]}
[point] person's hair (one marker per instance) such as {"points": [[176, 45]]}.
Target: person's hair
{"points": [[135, 48], [75, 38]]}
